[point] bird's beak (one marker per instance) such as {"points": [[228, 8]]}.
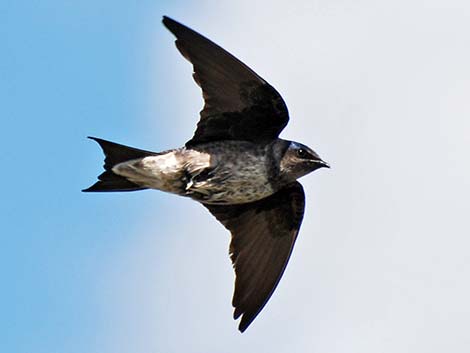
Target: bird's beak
{"points": [[321, 163]]}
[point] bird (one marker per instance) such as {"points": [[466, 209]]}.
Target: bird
{"points": [[235, 165]]}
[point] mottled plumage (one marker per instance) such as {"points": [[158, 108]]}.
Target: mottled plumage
{"points": [[235, 165]]}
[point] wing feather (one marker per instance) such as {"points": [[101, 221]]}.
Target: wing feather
{"points": [[238, 104], [263, 236]]}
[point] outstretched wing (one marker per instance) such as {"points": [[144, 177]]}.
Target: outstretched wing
{"points": [[239, 105], [263, 236]]}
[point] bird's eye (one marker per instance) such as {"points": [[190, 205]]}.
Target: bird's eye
{"points": [[301, 153]]}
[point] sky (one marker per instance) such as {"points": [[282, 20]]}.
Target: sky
{"points": [[379, 89]]}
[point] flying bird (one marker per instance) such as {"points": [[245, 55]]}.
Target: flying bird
{"points": [[235, 165]]}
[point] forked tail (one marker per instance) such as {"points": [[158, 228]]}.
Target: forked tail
{"points": [[115, 154]]}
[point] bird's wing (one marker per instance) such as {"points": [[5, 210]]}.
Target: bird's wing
{"points": [[239, 105], [263, 236]]}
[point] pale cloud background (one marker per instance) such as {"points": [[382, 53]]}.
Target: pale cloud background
{"points": [[380, 89]]}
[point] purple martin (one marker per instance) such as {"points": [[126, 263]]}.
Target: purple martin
{"points": [[235, 165]]}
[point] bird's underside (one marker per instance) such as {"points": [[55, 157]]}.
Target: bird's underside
{"points": [[225, 172], [232, 165]]}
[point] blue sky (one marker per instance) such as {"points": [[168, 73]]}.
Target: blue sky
{"points": [[379, 89], [68, 70]]}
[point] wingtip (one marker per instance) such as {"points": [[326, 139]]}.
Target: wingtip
{"points": [[244, 322], [242, 327], [177, 28], [168, 21]]}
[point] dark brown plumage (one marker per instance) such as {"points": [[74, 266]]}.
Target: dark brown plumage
{"points": [[239, 105], [235, 165], [263, 236]]}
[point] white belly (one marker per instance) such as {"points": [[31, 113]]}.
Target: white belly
{"points": [[165, 172], [233, 179]]}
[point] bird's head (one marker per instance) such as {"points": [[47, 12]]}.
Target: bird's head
{"points": [[299, 160]]}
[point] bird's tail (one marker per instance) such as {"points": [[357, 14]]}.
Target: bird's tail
{"points": [[115, 154]]}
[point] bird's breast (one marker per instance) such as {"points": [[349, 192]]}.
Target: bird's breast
{"points": [[217, 173], [234, 176]]}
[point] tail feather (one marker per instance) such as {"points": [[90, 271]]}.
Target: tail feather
{"points": [[115, 154]]}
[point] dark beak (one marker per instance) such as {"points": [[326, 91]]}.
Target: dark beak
{"points": [[321, 163]]}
